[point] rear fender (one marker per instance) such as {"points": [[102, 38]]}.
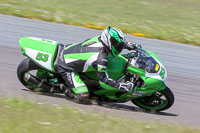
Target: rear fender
{"points": [[41, 51]]}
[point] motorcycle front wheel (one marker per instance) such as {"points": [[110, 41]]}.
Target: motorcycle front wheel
{"points": [[158, 101]]}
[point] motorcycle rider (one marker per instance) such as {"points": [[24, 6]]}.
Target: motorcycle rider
{"points": [[89, 55]]}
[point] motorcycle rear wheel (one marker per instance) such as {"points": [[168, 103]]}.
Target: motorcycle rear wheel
{"points": [[27, 69], [23, 68], [158, 101]]}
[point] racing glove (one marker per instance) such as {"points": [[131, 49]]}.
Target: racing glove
{"points": [[125, 87], [130, 46]]}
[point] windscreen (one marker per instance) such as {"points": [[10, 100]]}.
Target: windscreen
{"points": [[147, 62]]}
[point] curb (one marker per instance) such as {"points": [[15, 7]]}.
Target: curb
{"points": [[99, 27]]}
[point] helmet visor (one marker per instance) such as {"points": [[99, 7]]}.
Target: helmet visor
{"points": [[117, 45]]}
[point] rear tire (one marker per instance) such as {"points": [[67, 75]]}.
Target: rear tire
{"points": [[164, 99], [25, 66]]}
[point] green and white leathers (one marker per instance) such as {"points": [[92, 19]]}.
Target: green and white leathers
{"points": [[92, 55], [150, 92], [79, 58], [85, 57]]}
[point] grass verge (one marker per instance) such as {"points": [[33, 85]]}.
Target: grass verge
{"points": [[173, 20], [19, 116]]}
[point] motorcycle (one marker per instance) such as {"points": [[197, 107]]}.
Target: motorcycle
{"points": [[143, 68]]}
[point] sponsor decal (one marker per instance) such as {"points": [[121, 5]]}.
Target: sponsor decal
{"points": [[48, 41], [157, 67], [90, 44], [136, 94]]}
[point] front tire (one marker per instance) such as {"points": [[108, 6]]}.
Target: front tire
{"points": [[158, 101]]}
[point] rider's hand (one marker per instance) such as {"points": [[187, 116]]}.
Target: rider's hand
{"points": [[126, 87], [130, 46]]}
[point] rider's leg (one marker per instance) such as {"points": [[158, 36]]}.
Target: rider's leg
{"points": [[76, 88], [80, 89]]}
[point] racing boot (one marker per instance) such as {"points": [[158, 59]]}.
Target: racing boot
{"points": [[82, 98]]}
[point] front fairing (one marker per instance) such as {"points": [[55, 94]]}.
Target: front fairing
{"points": [[116, 69], [151, 65], [148, 66]]}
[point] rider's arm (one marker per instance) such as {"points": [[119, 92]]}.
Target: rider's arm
{"points": [[104, 80]]}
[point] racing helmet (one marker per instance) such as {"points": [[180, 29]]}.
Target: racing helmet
{"points": [[113, 39]]}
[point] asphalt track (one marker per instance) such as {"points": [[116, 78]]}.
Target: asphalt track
{"points": [[182, 63]]}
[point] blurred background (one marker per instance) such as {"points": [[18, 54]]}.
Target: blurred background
{"points": [[170, 28], [174, 20]]}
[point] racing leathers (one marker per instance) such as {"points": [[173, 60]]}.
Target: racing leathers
{"points": [[89, 55]]}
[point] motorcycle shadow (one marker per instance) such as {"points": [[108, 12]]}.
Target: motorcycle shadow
{"points": [[132, 108], [56, 95], [110, 105]]}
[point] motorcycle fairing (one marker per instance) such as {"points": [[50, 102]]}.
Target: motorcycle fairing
{"points": [[152, 65], [41, 51]]}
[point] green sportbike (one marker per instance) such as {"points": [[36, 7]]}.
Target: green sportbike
{"points": [[143, 68]]}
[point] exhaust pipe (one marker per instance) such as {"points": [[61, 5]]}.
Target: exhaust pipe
{"points": [[32, 79]]}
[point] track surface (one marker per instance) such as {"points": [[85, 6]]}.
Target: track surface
{"points": [[181, 61]]}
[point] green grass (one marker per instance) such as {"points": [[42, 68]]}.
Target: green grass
{"points": [[19, 116], [174, 20]]}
